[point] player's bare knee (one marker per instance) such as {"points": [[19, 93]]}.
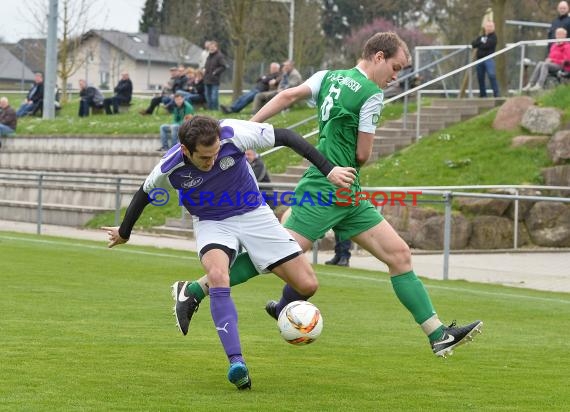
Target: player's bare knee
{"points": [[218, 278], [400, 259], [309, 284]]}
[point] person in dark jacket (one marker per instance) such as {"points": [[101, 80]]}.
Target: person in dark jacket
{"points": [[562, 20], [265, 83], [8, 118], [34, 98], [123, 94], [215, 66], [89, 96], [486, 44]]}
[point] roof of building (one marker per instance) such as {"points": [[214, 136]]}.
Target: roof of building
{"points": [[11, 67], [170, 49], [31, 51]]}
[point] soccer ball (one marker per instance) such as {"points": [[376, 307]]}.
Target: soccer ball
{"points": [[300, 322]]}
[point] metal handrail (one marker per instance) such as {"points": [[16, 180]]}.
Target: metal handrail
{"points": [[403, 78], [118, 183], [420, 88], [448, 193]]}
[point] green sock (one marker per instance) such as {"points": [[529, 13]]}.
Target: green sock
{"points": [[242, 270], [411, 292], [195, 289]]}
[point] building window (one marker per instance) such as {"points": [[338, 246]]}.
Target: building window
{"points": [[104, 80]]}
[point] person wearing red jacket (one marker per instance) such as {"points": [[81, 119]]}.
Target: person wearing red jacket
{"points": [[559, 53]]}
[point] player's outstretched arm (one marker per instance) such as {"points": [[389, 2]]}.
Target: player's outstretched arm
{"points": [[339, 176], [120, 235]]}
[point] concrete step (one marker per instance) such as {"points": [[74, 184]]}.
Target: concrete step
{"points": [[428, 126], [182, 223], [383, 149], [86, 144], [399, 142], [448, 118], [92, 196], [465, 112], [390, 132], [488, 103], [38, 159], [171, 231], [54, 214]]}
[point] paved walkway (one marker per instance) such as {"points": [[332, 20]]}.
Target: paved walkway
{"points": [[541, 270]]}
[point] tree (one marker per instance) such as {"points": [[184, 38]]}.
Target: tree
{"points": [[151, 16], [309, 40], [74, 15], [353, 44]]}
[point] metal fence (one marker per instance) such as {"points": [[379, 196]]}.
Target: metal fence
{"points": [[40, 179], [429, 194]]}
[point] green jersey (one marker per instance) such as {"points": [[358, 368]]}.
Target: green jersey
{"points": [[348, 102]]}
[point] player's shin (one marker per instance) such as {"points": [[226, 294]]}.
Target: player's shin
{"points": [[413, 295], [224, 315], [289, 295]]}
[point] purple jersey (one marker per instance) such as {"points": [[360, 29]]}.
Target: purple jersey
{"points": [[229, 188]]}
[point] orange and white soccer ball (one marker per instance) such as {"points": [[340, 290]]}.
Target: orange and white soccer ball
{"points": [[300, 322]]}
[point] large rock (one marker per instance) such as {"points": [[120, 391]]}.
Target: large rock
{"points": [[483, 206], [559, 147], [430, 234], [543, 120], [557, 176], [529, 141], [523, 205], [548, 224], [491, 232], [406, 220], [510, 114]]}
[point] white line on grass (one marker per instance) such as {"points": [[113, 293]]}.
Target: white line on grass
{"points": [[338, 275], [450, 288], [82, 246]]}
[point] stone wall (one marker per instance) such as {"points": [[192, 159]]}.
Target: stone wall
{"points": [[488, 223], [484, 224]]}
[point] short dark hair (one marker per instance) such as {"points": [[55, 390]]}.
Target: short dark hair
{"points": [[387, 42], [200, 130]]}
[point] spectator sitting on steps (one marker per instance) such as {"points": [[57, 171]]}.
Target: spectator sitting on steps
{"points": [[182, 111], [89, 97], [265, 83], [290, 78], [8, 118], [558, 55], [123, 94], [34, 98]]}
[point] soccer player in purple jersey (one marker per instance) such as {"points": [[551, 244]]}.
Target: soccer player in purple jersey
{"points": [[217, 186]]}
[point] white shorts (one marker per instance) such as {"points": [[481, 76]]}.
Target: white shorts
{"points": [[258, 231]]}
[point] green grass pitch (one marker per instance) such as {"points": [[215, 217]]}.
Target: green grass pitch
{"points": [[86, 328]]}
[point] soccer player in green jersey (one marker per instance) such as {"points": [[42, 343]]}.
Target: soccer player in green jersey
{"points": [[349, 104]]}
